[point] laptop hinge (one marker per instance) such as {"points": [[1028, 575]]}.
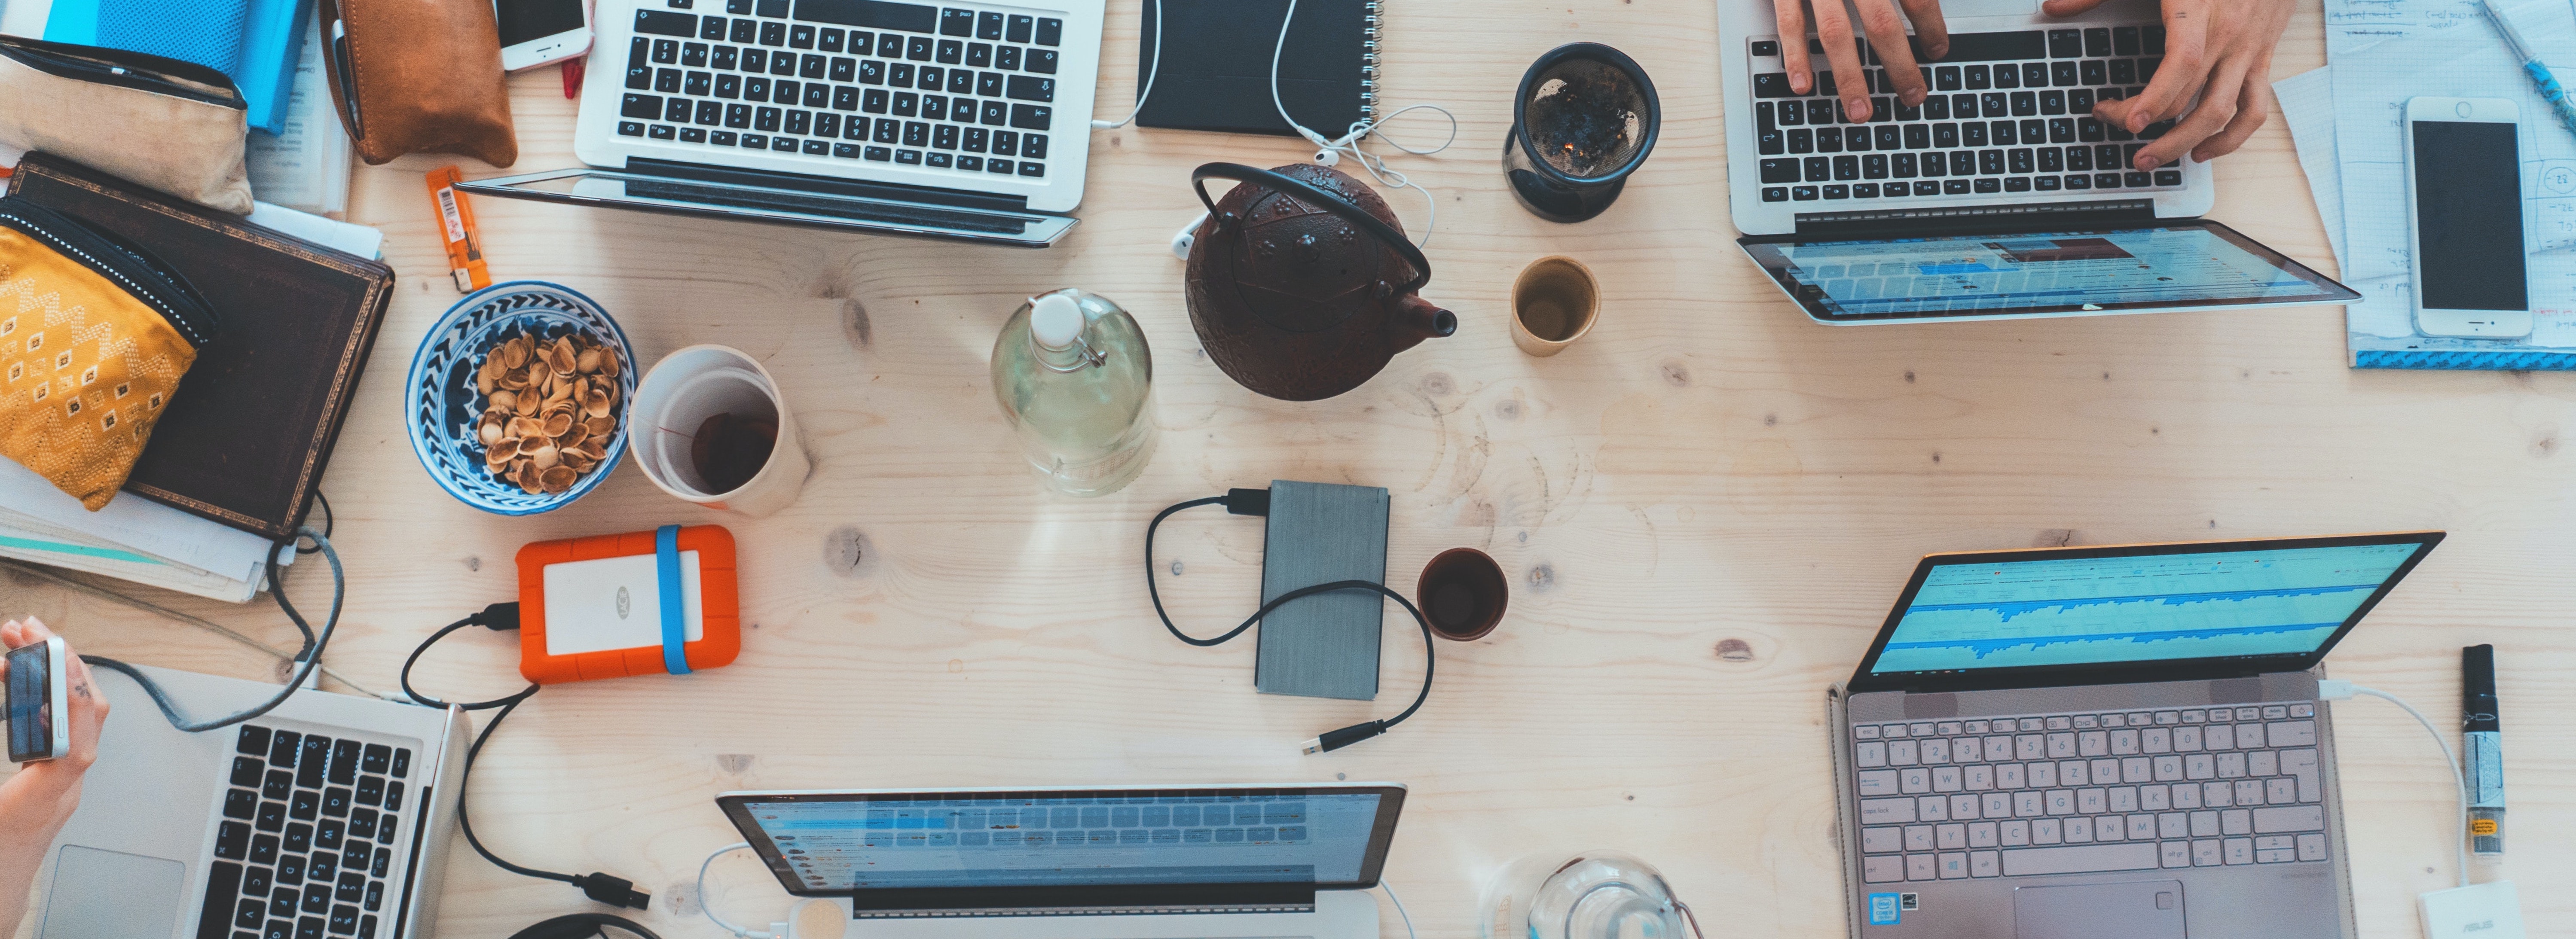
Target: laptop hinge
{"points": [[889, 192], [1089, 911], [1975, 219]]}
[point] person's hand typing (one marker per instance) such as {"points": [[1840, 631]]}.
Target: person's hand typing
{"points": [[2218, 52], [1886, 35]]}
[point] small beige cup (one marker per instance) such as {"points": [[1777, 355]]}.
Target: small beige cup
{"points": [[1555, 301]]}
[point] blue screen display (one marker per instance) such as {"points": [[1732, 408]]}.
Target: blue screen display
{"points": [[2140, 268], [1105, 840], [2072, 611]]}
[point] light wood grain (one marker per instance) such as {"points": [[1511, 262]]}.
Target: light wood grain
{"points": [[1705, 466]]}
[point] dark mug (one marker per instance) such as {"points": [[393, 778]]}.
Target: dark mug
{"points": [[1463, 593]]}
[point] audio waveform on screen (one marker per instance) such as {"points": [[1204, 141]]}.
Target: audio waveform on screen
{"points": [[1981, 648], [2009, 610]]}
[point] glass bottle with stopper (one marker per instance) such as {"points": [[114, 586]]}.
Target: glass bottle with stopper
{"points": [[1072, 373]]}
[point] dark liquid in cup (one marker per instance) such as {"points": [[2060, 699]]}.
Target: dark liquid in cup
{"points": [[1463, 594], [729, 450]]}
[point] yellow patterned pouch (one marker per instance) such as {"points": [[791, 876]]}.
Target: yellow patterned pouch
{"points": [[94, 336]]}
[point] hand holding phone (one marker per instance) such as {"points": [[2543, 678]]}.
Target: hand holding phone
{"points": [[55, 707], [2464, 198]]}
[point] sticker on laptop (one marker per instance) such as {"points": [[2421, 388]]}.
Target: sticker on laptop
{"points": [[1882, 909]]}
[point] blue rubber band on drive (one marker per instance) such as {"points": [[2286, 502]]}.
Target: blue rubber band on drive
{"points": [[675, 631]]}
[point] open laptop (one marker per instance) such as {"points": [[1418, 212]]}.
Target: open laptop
{"points": [[2125, 740], [1194, 862], [328, 816], [1998, 197], [951, 119]]}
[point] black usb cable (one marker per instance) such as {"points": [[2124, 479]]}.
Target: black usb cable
{"points": [[1257, 502], [504, 617]]}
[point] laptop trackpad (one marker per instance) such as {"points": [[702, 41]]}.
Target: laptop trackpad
{"points": [[108, 893], [2147, 909]]}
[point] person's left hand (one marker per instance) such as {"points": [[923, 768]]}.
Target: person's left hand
{"points": [[2218, 52], [46, 791]]}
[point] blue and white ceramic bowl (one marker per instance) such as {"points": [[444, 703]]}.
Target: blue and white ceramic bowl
{"points": [[445, 404]]}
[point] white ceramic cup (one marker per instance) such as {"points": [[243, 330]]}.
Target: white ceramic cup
{"points": [[817, 919], [699, 382]]}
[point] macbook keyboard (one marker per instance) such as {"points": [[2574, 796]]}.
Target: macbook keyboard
{"points": [[306, 839], [2085, 792], [961, 89], [2007, 113]]}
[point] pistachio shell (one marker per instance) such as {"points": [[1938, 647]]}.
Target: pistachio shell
{"points": [[586, 361], [573, 434], [483, 380], [527, 477], [595, 448], [609, 364], [601, 424], [544, 453], [514, 353], [596, 405], [579, 461], [558, 479], [511, 380], [560, 357], [501, 451], [559, 423], [527, 404], [504, 400], [526, 427]]}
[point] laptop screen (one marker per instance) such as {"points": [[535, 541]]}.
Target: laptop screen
{"points": [[833, 843], [2149, 267], [2275, 601]]}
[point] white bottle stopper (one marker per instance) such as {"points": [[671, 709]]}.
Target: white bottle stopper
{"points": [[1055, 321]]}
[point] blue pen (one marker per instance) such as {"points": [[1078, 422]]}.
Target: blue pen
{"points": [[2540, 75]]}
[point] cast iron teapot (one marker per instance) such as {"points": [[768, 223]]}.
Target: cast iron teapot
{"points": [[1301, 282]]}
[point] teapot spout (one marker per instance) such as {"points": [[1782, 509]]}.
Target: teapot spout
{"points": [[1418, 319]]}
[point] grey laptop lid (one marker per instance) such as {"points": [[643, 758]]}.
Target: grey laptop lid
{"points": [[2131, 613]]}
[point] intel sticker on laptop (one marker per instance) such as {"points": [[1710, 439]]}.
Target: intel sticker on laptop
{"points": [[1882, 909]]}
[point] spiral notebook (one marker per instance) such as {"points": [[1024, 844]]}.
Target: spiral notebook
{"points": [[1217, 73]]}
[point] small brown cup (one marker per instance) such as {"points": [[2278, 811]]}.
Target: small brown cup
{"points": [[1463, 593], [1555, 301]]}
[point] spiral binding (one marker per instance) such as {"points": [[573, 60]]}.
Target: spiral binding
{"points": [[1368, 60]]}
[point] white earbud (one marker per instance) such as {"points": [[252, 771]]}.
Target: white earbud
{"points": [[1181, 240]]}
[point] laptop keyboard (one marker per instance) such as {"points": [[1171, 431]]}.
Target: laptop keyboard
{"points": [[2007, 113], [306, 839], [964, 90], [2077, 793]]}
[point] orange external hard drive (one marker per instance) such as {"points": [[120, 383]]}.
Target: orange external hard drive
{"points": [[611, 606]]}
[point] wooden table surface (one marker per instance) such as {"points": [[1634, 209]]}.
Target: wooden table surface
{"points": [[1705, 508]]}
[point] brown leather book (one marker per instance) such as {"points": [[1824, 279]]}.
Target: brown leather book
{"points": [[248, 432]]}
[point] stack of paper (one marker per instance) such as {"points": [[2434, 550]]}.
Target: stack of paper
{"points": [[306, 164], [2346, 120], [137, 539]]}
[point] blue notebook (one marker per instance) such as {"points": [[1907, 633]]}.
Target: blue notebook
{"points": [[256, 42]]}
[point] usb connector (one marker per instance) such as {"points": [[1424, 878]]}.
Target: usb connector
{"points": [[1336, 739]]}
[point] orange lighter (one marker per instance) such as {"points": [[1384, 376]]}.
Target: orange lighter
{"points": [[456, 227]]}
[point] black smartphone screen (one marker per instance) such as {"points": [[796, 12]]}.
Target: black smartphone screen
{"points": [[31, 714], [531, 20], [2468, 216]]}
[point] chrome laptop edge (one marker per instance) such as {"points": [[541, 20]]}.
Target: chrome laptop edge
{"points": [[1145, 862], [2045, 793]]}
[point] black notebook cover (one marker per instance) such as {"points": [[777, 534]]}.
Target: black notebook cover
{"points": [[1217, 74], [246, 435]]}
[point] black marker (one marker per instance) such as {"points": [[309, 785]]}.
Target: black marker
{"points": [[2483, 738]]}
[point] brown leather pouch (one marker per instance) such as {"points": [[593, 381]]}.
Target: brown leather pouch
{"points": [[419, 76]]}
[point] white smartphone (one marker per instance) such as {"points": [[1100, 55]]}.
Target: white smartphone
{"points": [[38, 701], [538, 32], [2464, 205]]}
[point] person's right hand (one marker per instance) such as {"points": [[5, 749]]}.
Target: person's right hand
{"points": [[1886, 34], [45, 792]]}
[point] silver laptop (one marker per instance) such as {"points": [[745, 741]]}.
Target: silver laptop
{"points": [[1195, 862], [966, 120], [327, 817], [2109, 741], [1998, 197]]}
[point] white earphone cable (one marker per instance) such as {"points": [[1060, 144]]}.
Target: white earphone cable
{"points": [[1330, 152], [709, 908], [1399, 907], [1152, 70]]}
